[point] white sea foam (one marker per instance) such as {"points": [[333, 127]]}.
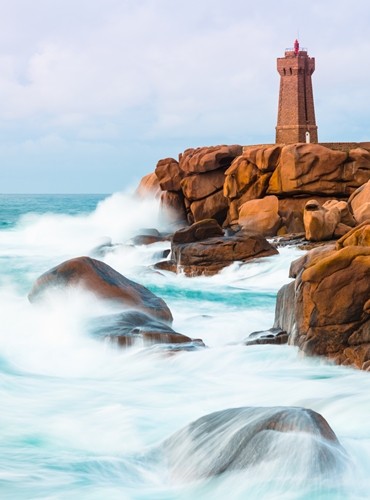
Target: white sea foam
{"points": [[115, 219], [80, 417]]}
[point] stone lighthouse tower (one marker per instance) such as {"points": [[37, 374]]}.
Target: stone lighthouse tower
{"points": [[296, 115]]}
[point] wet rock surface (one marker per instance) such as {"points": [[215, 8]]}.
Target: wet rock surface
{"points": [[275, 336], [131, 328], [241, 438], [207, 228], [210, 254], [326, 309], [105, 282]]}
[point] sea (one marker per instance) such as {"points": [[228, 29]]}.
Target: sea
{"points": [[81, 418]]}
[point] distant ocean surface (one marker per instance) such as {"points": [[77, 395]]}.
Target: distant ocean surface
{"points": [[82, 419], [13, 206]]}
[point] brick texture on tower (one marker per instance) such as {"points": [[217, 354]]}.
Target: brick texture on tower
{"points": [[296, 114]]}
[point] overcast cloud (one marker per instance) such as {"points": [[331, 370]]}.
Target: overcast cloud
{"points": [[94, 92]]}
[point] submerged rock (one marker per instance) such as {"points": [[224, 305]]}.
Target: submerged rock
{"points": [[293, 438], [132, 327], [147, 239], [271, 336], [104, 248], [105, 282]]}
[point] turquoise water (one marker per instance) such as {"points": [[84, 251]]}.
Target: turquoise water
{"points": [[80, 418], [13, 206]]}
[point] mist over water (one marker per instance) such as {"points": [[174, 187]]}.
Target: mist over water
{"points": [[82, 418]]}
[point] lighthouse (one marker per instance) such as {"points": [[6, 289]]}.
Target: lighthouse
{"points": [[296, 113]]}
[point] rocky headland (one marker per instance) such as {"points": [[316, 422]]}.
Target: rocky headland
{"points": [[234, 204], [225, 201], [269, 185]]}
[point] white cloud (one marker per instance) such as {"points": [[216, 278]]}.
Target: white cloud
{"points": [[159, 71]]}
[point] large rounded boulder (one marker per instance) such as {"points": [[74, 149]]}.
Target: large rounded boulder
{"points": [[295, 439], [103, 281], [261, 216]]}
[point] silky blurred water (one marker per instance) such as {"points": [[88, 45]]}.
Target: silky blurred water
{"points": [[80, 418]]}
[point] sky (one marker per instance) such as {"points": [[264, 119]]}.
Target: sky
{"points": [[94, 92]]}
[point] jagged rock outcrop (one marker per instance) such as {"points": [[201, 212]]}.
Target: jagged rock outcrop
{"points": [[203, 179], [103, 281], [206, 159], [292, 172], [308, 169], [346, 216], [358, 237], [248, 176], [209, 255], [194, 185], [319, 222], [326, 311], [169, 174], [295, 173], [197, 187], [242, 438], [214, 206], [331, 220]]}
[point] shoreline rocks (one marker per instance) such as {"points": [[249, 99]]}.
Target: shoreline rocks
{"points": [[103, 281], [131, 328], [215, 182], [280, 191], [241, 438], [203, 249], [326, 310], [274, 336]]}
